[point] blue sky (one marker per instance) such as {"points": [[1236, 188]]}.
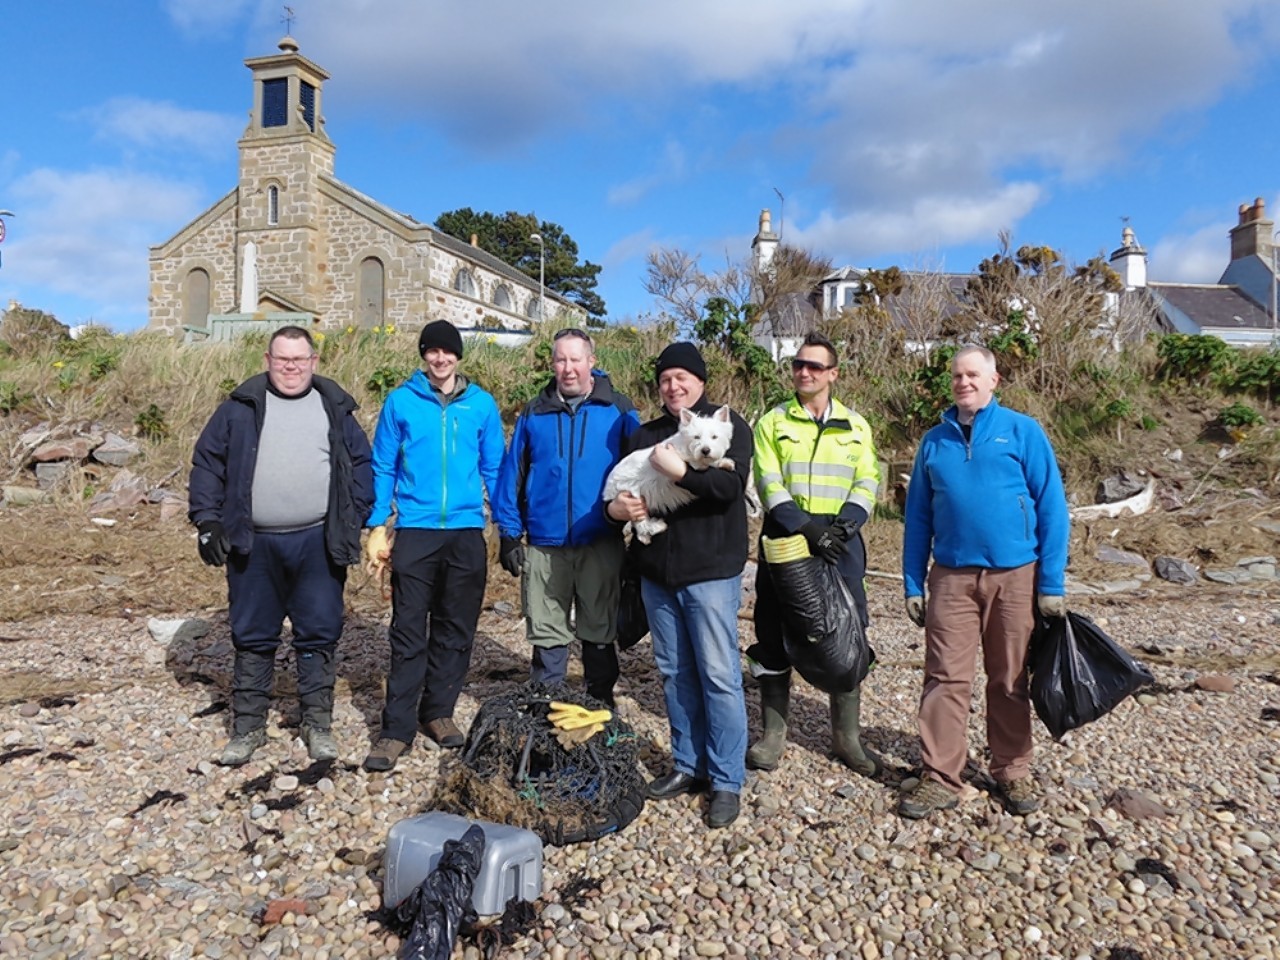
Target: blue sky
{"points": [[906, 132]]}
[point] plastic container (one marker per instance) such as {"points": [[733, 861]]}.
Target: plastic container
{"points": [[511, 867]]}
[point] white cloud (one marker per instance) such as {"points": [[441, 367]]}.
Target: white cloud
{"points": [[670, 168], [1196, 257], [195, 17], [86, 233], [162, 126]]}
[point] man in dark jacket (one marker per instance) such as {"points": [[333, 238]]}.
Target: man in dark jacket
{"points": [[565, 443], [691, 577], [280, 486]]}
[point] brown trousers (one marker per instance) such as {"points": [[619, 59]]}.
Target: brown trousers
{"points": [[969, 606]]}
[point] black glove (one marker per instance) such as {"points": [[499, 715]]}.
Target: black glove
{"points": [[822, 542], [511, 555], [213, 543], [849, 522]]}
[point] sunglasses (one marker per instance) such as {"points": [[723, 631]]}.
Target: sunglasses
{"points": [[813, 366]]}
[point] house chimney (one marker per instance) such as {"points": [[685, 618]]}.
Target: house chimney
{"points": [[1130, 260], [1252, 236], [475, 240]]}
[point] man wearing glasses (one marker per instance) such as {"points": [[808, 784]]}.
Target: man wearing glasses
{"points": [[565, 443], [817, 475], [280, 487]]}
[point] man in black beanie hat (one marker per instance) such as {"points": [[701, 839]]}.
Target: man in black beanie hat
{"points": [[691, 582], [438, 437]]}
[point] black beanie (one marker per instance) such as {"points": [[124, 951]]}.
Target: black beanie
{"points": [[442, 334], [682, 355]]}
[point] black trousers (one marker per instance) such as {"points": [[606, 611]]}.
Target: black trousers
{"points": [[768, 650], [437, 588]]}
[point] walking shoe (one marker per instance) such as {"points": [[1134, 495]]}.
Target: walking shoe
{"points": [[723, 810], [445, 732], [320, 743], [241, 747], [384, 754], [927, 797], [674, 784], [1020, 796]]}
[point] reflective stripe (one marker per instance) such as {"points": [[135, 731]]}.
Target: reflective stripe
{"points": [[830, 469], [827, 491], [771, 500], [767, 478], [861, 499]]}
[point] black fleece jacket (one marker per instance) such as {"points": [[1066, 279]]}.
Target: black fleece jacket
{"points": [[705, 539]]}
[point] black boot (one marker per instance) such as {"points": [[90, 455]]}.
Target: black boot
{"points": [[316, 674], [251, 681], [775, 701], [600, 667]]}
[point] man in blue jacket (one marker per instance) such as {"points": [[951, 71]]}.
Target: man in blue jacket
{"points": [[280, 486], [986, 500], [565, 443], [438, 437]]}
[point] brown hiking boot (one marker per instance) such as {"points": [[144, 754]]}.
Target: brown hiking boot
{"points": [[384, 754], [445, 732], [929, 796], [1020, 796]]}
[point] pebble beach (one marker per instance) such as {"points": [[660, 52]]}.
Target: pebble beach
{"points": [[1159, 834]]}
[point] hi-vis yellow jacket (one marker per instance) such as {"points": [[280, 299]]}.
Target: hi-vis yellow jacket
{"points": [[803, 470]]}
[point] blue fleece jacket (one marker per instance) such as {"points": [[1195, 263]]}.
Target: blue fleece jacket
{"points": [[554, 471], [995, 500], [431, 453]]}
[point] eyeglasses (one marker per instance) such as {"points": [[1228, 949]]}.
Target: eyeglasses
{"points": [[572, 332], [290, 363], [812, 366]]}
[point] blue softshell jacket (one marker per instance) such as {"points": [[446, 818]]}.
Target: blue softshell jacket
{"points": [[434, 460], [553, 474]]}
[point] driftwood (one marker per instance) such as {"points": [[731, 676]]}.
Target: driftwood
{"points": [[1136, 505]]}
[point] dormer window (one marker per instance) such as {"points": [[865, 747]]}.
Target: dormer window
{"points": [[273, 206], [275, 102]]}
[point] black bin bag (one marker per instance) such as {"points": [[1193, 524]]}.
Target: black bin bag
{"points": [[440, 908], [1078, 673], [633, 622], [821, 630]]}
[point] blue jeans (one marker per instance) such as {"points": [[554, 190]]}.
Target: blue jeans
{"points": [[695, 642]]}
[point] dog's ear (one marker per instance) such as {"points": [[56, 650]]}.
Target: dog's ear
{"points": [[723, 414], [686, 416]]}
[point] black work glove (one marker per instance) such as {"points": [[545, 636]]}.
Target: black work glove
{"points": [[822, 542], [849, 522], [213, 543], [511, 555]]}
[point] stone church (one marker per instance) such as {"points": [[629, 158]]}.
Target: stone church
{"points": [[292, 239]]}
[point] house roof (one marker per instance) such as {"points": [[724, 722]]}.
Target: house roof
{"points": [[1211, 305]]}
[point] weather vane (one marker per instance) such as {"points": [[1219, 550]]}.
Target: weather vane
{"points": [[288, 19]]}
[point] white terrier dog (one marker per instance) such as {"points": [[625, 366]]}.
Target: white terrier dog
{"points": [[701, 442]]}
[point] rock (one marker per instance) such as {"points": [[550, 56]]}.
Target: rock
{"points": [[1216, 683], [1109, 554], [286, 782], [48, 474], [29, 710], [126, 490], [74, 450], [276, 909], [1228, 575], [17, 496], [1175, 570], [1119, 487], [167, 631], [173, 508], [1137, 805], [116, 451]]}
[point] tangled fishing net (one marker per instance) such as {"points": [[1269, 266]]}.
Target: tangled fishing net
{"points": [[514, 770]]}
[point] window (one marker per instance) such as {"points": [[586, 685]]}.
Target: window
{"points": [[465, 283], [273, 206], [502, 297], [308, 93], [850, 297], [370, 300], [195, 298], [534, 310], [275, 102]]}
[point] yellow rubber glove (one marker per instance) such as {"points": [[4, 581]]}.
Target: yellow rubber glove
{"points": [[377, 551]]}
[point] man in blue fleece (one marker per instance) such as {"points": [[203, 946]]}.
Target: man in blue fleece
{"points": [[986, 500], [435, 430]]}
